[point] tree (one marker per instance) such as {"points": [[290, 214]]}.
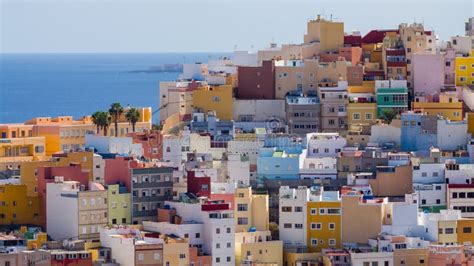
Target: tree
{"points": [[116, 110], [388, 115], [106, 120], [133, 115], [95, 120]]}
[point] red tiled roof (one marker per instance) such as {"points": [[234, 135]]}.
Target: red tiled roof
{"points": [[376, 36], [353, 40]]}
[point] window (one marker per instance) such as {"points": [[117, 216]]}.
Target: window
{"points": [[449, 231], [462, 67], [229, 245], [157, 256], [218, 260], [368, 116], [332, 242], [286, 225], [218, 230], [141, 256], [467, 230], [314, 242], [298, 226], [356, 116], [334, 211], [218, 245], [298, 209], [286, 209], [229, 259], [197, 235], [242, 221], [314, 211], [316, 226], [228, 230], [242, 207], [332, 226], [322, 211]]}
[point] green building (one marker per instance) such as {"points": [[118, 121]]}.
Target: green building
{"points": [[391, 95], [119, 205]]}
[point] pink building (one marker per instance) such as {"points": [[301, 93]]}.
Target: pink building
{"points": [[351, 54], [449, 255], [428, 73], [118, 170]]}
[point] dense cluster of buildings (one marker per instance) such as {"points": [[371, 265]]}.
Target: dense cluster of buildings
{"points": [[341, 150]]}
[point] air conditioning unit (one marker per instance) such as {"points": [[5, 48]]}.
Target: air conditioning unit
{"points": [[59, 179]]}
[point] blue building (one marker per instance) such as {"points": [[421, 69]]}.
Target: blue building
{"points": [[419, 132], [273, 163], [289, 143]]}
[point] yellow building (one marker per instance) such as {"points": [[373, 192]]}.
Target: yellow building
{"points": [[366, 87], [329, 34], [447, 232], [448, 106], [251, 210], [324, 225], [470, 123], [465, 232], [361, 112], [465, 70], [293, 257], [38, 242], [63, 133], [175, 251], [215, 98], [28, 169], [410, 257], [258, 248], [16, 207], [14, 151]]}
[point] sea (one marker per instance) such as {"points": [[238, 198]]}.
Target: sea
{"points": [[49, 85]]}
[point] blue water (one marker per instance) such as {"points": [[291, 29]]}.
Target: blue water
{"points": [[33, 85]]}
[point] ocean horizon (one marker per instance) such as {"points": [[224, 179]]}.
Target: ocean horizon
{"points": [[78, 84]]}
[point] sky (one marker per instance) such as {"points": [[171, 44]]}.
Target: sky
{"points": [[115, 26]]}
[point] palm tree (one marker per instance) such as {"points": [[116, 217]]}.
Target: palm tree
{"points": [[116, 110], [132, 115], [105, 120], [95, 120]]}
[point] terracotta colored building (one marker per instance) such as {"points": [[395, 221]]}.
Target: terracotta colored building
{"points": [[256, 82]]}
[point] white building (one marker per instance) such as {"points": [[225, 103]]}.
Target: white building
{"points": [[430, 221], [195, 71], [177, 147], [191, 231], [384, 133], [428, 173], [236, 168], [62, 209], [218, 228], [452, 135], [292, 215], [459, 173], [244, 58], [248, 111], [371, 258], [321, 168], [324, 144], [401, 218], [99, 168], [118, 145], [246, 147], [430, 195]]}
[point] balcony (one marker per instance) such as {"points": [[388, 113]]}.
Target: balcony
{"points": [[342, 113]]}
